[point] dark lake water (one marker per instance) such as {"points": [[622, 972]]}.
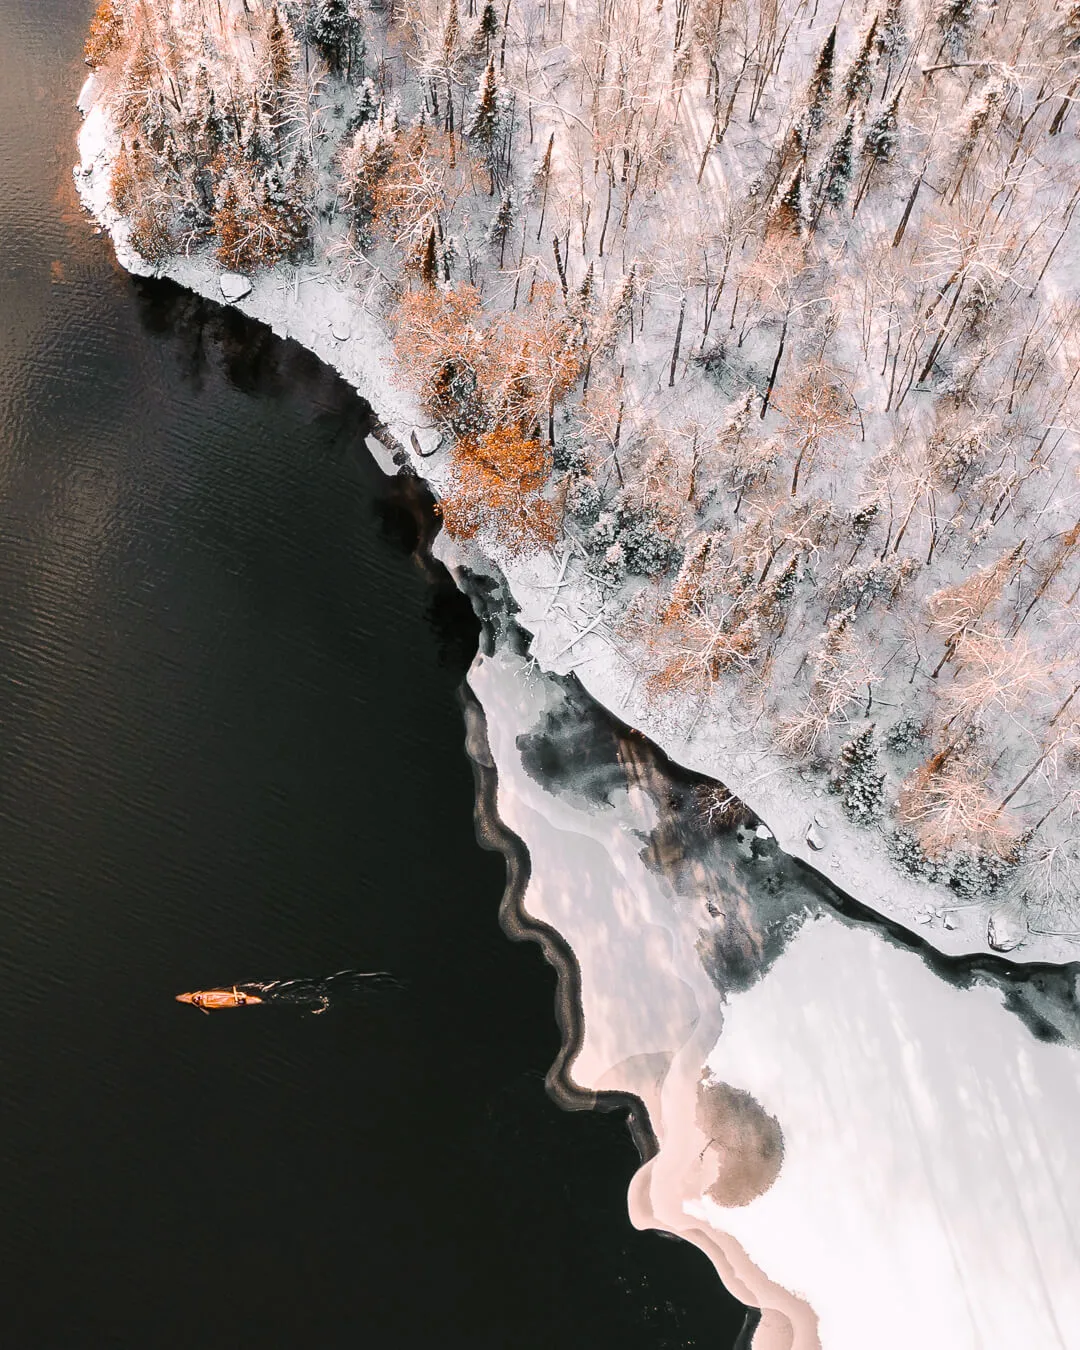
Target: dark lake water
{"points": [[231, 749]]}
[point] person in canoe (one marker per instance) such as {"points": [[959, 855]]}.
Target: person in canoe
{"points": [[210, 1000]]}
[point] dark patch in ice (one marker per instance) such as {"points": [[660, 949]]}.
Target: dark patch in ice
{"points": [[746, 1336], [494, 606], [702, 840], [574, 752], [745, 1141]]}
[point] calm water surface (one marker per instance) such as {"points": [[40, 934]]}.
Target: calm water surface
{"points": [[230, 749]]}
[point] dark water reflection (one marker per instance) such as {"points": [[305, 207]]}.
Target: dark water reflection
{"points": [[230, 750]]}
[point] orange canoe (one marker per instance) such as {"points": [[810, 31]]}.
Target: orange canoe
{"points": [[209, 1000]]}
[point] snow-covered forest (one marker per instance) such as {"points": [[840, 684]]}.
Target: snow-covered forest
{"points": [[763, 312]]}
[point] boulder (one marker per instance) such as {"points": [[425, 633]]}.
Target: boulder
{"points": [[340, 330], [815, 837], [234, 286], [1005, 931]]}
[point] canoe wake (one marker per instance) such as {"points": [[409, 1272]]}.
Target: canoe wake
{"points": [[314, 995]]}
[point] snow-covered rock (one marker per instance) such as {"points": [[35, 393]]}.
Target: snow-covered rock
{"points": [[234, 286], [1005, 931]]}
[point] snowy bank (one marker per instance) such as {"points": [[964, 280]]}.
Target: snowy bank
{"points": [[559, 605]]}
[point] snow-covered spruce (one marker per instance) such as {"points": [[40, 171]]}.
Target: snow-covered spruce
{"points": [[858, 782]]}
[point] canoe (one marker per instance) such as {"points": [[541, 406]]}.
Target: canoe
{"points": [[210, 1000]]}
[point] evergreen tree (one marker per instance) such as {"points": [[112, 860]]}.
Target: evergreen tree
{"points": [[772, 602], [285, 200], [862, 518], [879, 143], [736, 422], [538, 184], [802, 132], [489, 26], [893, 35], [791, 214], [841, 165], [1070, 25], [484, 124], [256, 137], [835, 637], [541, 175], [860, 78], [956, 19], [451, 41], [331, 30], [451, 35], [821, 83], [367, 105], [621, 313], [582, 307], [209, 129], [587, 291], [448, 256], [364, 164], [280, 43], [883, 134], [905, 734], [486, 121], [559, 267], [502, 223], [860, 786], [979, 115]]}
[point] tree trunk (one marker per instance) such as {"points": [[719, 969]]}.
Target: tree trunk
{"points": [[559, 263], [1038, 764], [900, 229], [678, 340], [607, 213], [772, 377]]}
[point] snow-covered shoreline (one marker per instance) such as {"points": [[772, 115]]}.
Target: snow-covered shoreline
{"points": [[304, 304]]}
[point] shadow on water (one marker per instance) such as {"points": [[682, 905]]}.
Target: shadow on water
{"points": [[256, 362]]}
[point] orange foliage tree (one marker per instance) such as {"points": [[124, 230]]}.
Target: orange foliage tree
{"points": [[490, 384], [537, 361], [136, 191], [106, 34], [253, 230], [440, 344], [474, 374], [499, 482], [948, 805], [422, 179]]}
